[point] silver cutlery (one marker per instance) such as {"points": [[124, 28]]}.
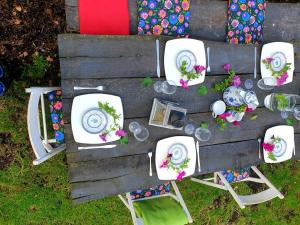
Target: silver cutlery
{"points": [[198, 156], [95, 147], [208, 65], [259, 148], [255, 56], [150, 157], [99, 88], [157, 59]]}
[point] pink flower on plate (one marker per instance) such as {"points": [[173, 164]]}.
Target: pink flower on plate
{"points": [[249, 109], [236, 123], [227, 67], [224, 115], [103, 137], [236, 81], [180, 175], [121, 133], [199, 69], [282, 79], [269, 60], [184, 84], [268, 147], [164, 164]]}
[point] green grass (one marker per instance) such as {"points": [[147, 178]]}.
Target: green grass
{"points": [[40, 194]]}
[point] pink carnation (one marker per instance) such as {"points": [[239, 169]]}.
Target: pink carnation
{"points": [[249, 109], [164, 164], [121, 133], [184, 84], [282, 79], [199, 69], [224, 115], [180, 175], [227, 67], [236, 81], [236, 123], [269, 60], [268, 147], [103, 137]]}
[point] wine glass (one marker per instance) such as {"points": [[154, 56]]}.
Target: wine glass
{"points": [[140, 133], [158, 86], [189, 128], [202, 134], [169, 87], [267, 83], [297, 112]]}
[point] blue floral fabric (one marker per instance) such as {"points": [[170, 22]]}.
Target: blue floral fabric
{"points": [[164, 17], [158, 190], [55, 99], [245, 21], [235, 175]]}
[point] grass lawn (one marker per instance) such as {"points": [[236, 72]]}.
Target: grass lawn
{"points": [[40, 194]]}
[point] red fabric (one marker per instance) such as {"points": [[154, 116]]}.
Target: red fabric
{"points": [[104, 17]]}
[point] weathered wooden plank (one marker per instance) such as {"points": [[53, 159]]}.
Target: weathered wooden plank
{"points": [[208, 20], [134, 96], [86, 56], [247, 130]]}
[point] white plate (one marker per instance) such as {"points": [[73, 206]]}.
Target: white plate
{"points": [[269, 49], [286, 133], [162, 149], [173, 48], [82, 104]]}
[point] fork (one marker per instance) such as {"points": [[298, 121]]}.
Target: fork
{"points": [[208, 66], [259, 147], [99, 88], [150, 156], [198, 156], [157, 59]]}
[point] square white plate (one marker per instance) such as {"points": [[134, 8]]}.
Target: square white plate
{"points": [[162, 148], [285, 132], [269, 49], [83, 103], [173, 47]]}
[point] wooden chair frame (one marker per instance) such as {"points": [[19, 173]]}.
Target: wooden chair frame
{"points": [[177, 197], [41, 144], [244, 200]]}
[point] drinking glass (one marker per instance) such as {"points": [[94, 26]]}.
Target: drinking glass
{"points": [[248, 84], [297, 112], [267, 83], [281, 102], [202, 134], [189, 129], [284, 114], [166, 87], [140, 133]]}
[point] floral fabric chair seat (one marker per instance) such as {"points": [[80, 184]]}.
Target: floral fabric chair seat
{"points": [[164, 17], [234, 175], [145, 193], [245, 21], [55, 99]]}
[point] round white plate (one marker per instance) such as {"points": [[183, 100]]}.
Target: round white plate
{"points": [[179, 154], [187, 56], [94, 121]]}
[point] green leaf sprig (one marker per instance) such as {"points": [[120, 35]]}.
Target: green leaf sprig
{"points": [[282, 101], [221, 86], [221, 123], [147, 82], [192, 75], [240, 109]]}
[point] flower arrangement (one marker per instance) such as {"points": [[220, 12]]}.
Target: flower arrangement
{"points": [[189, 75], [269, 147], [115, 126], [281, 75], [231, 80], [167, 163], [282, 102]]}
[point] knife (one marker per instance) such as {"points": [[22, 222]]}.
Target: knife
{"points": [[157, 59], [198, 157]]}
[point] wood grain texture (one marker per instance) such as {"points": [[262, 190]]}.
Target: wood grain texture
{"points": [[209, 18], [87, 56]]}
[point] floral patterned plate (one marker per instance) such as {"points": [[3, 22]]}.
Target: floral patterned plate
{"points": [[162, 149], [233, 96], [173, 49], [281, 153], [272, 49], [85, 103]]}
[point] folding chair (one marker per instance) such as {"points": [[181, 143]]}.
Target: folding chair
{"points": [[43, 147], [152, 206], [223, 179]]}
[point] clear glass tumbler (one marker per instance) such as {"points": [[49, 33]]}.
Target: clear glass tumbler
{"points": [[140, 133]]}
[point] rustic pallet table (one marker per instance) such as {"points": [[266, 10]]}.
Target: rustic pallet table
{"points": [[121, 63], [208, 20]]}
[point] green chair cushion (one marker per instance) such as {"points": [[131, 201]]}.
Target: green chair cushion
{"points": [[160, 211]]}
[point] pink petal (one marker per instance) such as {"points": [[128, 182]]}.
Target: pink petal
{"points": [[227, 67]]}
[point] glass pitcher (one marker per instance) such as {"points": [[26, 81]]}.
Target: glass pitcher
{"points": [[282, 102]]}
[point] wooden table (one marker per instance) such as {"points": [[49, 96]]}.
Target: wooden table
{"points": [[121, 63]]}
